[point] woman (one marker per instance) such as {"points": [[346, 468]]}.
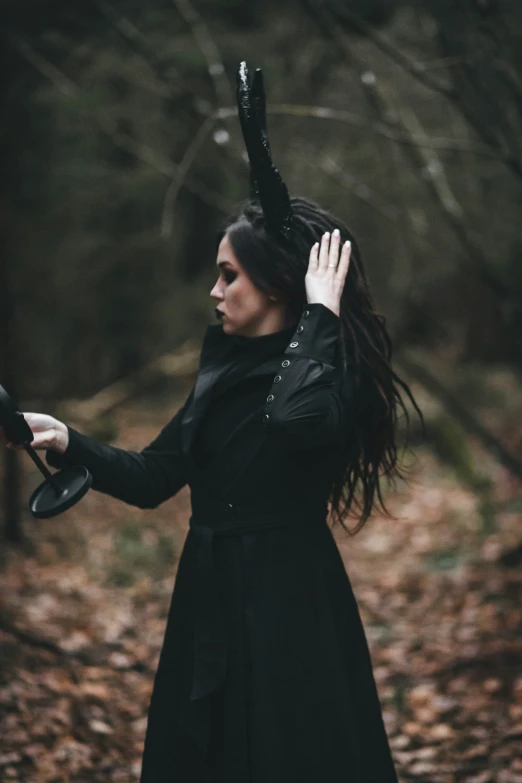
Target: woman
{"points": [[265, 674]]}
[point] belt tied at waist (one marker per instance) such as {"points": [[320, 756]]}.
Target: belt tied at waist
{"points": [[210, 655]]}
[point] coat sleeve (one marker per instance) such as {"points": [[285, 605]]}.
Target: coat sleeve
{"points": [[310, 402], [143, 479]]}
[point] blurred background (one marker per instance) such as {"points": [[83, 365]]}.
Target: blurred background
{"points": [[121, 156]]}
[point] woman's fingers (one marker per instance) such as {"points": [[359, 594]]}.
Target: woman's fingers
{"points": [[344, 262], [329, 260], [35, 420], [39, 442], [327, 270], [43, 427], [324, 251], [324, 255], [333, 255], [314, 257]]}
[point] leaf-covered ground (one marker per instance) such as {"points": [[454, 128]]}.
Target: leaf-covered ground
{"points": [[82, 617]]}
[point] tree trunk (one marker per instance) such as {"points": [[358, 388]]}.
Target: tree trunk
{"points": [[11, 477]]}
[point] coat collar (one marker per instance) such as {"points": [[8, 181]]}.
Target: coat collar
{"points": [[224, 360]]}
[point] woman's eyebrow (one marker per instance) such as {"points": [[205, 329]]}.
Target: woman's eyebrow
{"points": [[222, 263]]}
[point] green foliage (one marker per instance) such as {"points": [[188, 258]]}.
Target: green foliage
{"points": [[486, 509], [120, 577], [444, 559], [399, 698], [451, 444], [383, 632], [139, 550], [104, 428]]}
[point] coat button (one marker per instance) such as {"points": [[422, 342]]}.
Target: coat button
{"points": [[294, 344], [300, 329], [285, 363], [270, 398], [306, 313], [266, 418], [277, 379]]}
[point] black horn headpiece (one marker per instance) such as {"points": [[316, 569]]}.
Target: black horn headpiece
{"points": [[266, 184]]}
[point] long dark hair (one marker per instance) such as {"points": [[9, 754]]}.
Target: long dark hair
{"points": [[279, 269]]}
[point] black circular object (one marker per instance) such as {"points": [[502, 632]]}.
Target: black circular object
{"points": [[74, 483]]}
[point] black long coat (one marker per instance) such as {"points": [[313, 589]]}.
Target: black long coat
{"points": [[264, 674]]}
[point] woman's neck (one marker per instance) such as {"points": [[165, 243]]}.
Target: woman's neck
{"points": [[273, 322]]}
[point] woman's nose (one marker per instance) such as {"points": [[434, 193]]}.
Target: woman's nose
{"points": [[216, 293]]}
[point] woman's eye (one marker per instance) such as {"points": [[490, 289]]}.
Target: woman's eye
{"points": [[229, 276]]}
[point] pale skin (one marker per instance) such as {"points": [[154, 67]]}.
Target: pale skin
{"points": [[246, 311]]}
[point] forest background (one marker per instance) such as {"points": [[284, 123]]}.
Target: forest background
{"points": [[121, 156]]}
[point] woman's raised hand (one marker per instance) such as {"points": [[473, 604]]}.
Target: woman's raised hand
{"points": [[49, 433], [324, 281]]}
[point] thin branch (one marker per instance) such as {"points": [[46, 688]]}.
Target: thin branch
{"points": [[318, 112], [209, 196], [364, 123], [413, 67], [360, 190], [451, 209], [422, 155], [179, 174], [209, 49], [451, 61], [180, 363], [122, 140], [425, 159], [222, 87], [171, 194], [45, 68], [389, 158], [84, 657], [149, 56], [433, 168], [328, 19], [416, 69], [461, 412]]}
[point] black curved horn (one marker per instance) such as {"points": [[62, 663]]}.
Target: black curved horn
{"points": [[257, 91], [267, 185]]}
